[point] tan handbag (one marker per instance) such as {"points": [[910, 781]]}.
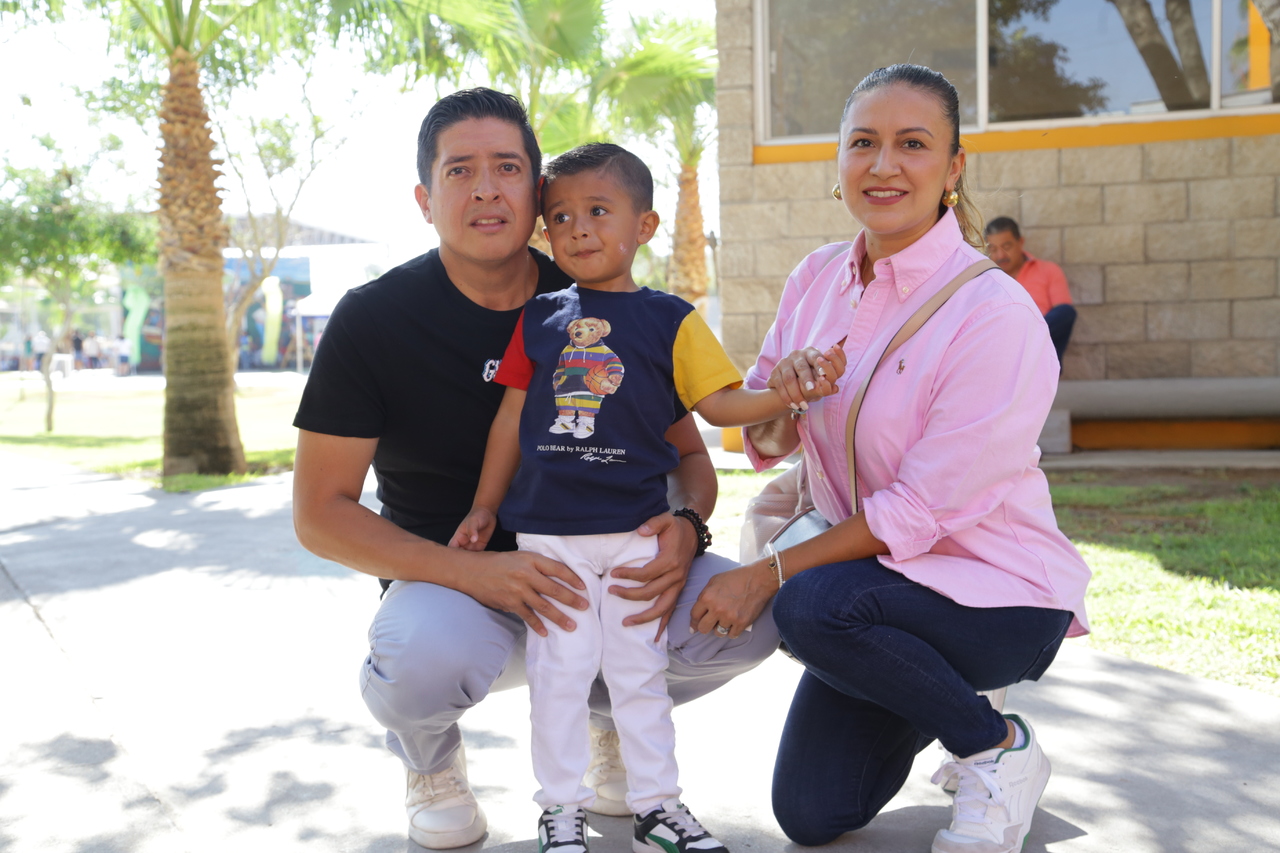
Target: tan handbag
{"points": [[783, 513]]}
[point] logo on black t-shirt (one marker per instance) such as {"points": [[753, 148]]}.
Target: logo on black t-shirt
{"points": [[490, 369]]}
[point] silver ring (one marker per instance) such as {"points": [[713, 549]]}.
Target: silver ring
{"points": [[722, 630]]}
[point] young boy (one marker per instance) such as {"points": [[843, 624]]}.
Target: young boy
{"points": [[610, 366]]}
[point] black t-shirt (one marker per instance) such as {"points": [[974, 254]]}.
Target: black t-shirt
{"points": [[409, 360]]}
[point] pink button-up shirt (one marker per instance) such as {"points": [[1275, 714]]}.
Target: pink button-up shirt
{"points": [[946, 441]]}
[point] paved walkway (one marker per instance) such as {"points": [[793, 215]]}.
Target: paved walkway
{"points": [[179, 675]]}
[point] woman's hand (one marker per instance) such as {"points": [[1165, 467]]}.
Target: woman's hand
{"points": [[734, 599], [807, 375]]}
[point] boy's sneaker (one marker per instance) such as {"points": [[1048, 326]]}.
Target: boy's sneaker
{"points": [[443, 813], [997, 797], [562, 829], [945, 777], [607, 776], [672, 828]]}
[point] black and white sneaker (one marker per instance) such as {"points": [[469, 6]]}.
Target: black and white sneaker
{"points": [[672, 828], [562, 829]]}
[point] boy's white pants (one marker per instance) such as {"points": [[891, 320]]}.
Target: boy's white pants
{"points": [[562, 666]]}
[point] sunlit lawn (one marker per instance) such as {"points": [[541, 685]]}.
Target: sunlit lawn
{"points": [[1186, 565], [117, 426], [1186, 571]]}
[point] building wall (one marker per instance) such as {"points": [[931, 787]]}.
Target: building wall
{"points": [[1172, 249]]}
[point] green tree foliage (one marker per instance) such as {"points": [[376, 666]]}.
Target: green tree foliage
{"points": [[660, 85], [55, 233], [184, 45], [1028, 80]]}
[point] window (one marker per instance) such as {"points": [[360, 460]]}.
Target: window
{"points": [[820, 49], [1039, 60]]}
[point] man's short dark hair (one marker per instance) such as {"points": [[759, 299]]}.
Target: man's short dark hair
{"points": [[467, 104], [628, 170], [1001, 224]]}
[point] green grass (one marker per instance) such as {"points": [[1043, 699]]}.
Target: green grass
{"points": [[114, 429], [1186, 574]]}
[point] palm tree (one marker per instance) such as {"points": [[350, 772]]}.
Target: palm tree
{"points": [[232, 40], [656, 87], [548, 60]]}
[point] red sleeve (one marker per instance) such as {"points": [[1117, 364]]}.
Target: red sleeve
{"points": [[1059, 292], [516, 370]]}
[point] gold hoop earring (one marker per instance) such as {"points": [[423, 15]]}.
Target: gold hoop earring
{"points": [[835, 193], [951, 198]]}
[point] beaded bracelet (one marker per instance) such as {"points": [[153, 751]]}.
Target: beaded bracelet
{"points": [[699, 528]]}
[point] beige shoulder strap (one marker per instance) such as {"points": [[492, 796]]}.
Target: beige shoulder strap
{"points": [[909, 328]]}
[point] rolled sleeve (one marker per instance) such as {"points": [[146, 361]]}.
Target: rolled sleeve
{"points": [[783, 337], [979, 432]]}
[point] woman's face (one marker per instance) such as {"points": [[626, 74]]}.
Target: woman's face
{"points": [[895, 163]]}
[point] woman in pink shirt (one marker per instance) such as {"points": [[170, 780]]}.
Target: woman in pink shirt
{"points": [[947, 574]]}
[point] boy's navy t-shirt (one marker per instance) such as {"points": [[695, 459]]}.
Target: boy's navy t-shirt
{"points": [[409, 360], [662, 358]]}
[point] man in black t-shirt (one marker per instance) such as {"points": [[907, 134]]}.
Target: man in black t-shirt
{"points": [[402, 381]]}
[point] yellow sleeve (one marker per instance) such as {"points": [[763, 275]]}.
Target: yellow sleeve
{"points": [[701, 365]]}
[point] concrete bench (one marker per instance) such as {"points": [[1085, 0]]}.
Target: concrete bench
{"points": [[1215, 400]]}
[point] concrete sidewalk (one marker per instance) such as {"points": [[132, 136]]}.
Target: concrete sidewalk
{"points": [[181, 676]]}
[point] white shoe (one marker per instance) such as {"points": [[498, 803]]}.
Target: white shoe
{"points": [[606, 775], [443, 813], [946, 779], [586, 427], [999, 790], [562, 829], [562, 425]]}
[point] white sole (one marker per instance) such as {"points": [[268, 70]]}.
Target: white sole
{"points": [[449, 840]]}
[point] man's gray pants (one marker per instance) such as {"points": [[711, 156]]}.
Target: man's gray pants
{"points": [[435, 652]]}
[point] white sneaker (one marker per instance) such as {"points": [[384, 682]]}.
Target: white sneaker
{"points": [[562, 829], [443, 813], [586, 427], [607, 776], [999, 790], [947, 779]]}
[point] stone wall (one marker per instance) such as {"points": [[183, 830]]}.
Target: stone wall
{"points": [[1172, 249]]}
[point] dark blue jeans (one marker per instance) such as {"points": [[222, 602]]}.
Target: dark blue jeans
{"points": [[890, 666], [1060, 319]]}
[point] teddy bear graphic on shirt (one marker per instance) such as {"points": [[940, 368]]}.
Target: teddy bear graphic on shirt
{"points": [[586, 373]]}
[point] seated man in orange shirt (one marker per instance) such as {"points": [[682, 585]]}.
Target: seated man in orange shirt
{"points": [[1044, 280]]}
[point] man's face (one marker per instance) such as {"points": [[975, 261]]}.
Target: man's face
{"points": [[1006, 251], [482, 200]]}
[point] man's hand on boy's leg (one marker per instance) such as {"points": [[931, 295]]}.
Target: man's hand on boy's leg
{"points": [[662, 577]]}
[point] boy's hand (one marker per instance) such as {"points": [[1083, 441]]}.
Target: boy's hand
{"points": [[807, 375], [474, 531], [829, 367]]}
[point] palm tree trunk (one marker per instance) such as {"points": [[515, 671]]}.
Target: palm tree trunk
{"points": [[1165, 71], [688, 278], [200, 431], [1184, 36]]}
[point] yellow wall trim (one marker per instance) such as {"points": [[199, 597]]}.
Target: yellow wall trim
{"points": [[1259, 51], [1078, 136]]}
